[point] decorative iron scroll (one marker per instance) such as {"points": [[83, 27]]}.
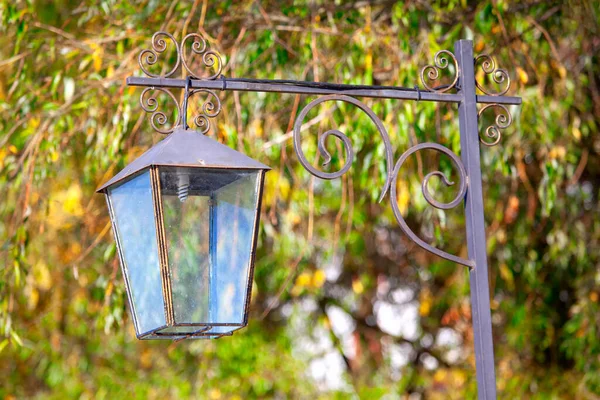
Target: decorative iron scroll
{"points": [[159, 46], [159, 119], [210, 58], [210, 108], [389, 156], [429, 198], [503, 121], [440, 62], [391, 179], [499, 75]]}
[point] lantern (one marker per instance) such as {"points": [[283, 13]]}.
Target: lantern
{"points": [[185, 216]]}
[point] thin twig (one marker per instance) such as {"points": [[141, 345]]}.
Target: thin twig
{"points": [[580, 167]]}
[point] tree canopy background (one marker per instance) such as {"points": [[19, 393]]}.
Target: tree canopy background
{"points": [[343, 304]]}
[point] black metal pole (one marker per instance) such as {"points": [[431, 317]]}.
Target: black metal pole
{"points": [[264, 86], [475, 226]]}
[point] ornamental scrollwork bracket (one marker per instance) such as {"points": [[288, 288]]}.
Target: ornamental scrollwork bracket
{"points": [[441, 61], [392, 175], [210, 59], [389, 156], [499, 75], [209, 108], [492, 134], [462, 190]]}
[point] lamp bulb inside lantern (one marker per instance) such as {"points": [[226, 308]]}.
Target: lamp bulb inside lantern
{"points": [[183, 187]]}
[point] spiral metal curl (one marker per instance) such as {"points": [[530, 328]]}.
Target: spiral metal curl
{"points": [[345, 140], [499, 75], [159, 46], [433, 71], [429, 197], [209, 57], [503, 121], [211, 107], [159, 119]]}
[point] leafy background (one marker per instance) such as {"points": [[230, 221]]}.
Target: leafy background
{"points": [[343, 304]]}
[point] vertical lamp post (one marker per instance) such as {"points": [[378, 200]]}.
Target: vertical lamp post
{"points": [[185, 214]]}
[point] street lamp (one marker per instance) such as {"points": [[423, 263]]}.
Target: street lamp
{"points": [[185, 216]]}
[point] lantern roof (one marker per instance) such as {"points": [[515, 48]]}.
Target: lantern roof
{"points": [[187, 148]]}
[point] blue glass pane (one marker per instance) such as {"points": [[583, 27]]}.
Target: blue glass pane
{"points": [[233, 214], [135, 227], [187, 230], [209, 217]]}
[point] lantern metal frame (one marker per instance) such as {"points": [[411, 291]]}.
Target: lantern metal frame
{"points": [[188, 145], [461, 90]]}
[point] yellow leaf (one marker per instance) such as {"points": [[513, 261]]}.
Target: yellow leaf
{"points": [[257, 127], [459, 377], [403, 197], [97, 56], [32, 299], [277, 186], [34, 123], [3, 154], [368, 59], [109, 289], [594, 297], [507, 276], [318, 278], [63, 205], [13, 149], [41, 275], [479, 46], [425, 308], [523, 77], [425, 303], [440, 376], [54, 156], [72, 201], [357, 286], [303, 280]]}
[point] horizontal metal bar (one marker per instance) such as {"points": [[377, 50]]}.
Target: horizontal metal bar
{"points": [[299, 89], [507, 100]]}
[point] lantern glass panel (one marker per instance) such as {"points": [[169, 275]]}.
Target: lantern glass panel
{"points": [[134, 225], [209, 218]]}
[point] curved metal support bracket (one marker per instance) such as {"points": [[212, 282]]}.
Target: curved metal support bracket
{"points": [[503, 119], [389, 155], [429, 198], [440, 62], [158, 119], [493, 131], [392, 177], [499, 75]]}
